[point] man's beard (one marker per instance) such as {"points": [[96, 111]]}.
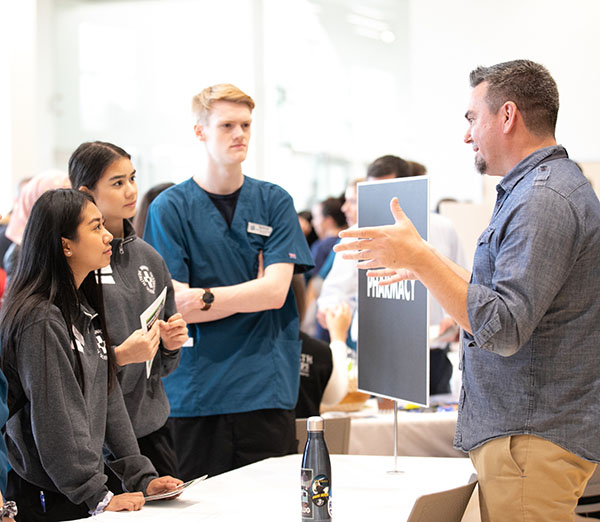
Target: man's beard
{"points": [[480, 165]]}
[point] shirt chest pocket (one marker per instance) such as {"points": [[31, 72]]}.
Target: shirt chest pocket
{"points": [[256, 241], [483, 261]]}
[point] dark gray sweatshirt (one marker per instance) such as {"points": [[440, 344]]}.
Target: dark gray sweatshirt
{"points": [[135, 278], [55, 440]]}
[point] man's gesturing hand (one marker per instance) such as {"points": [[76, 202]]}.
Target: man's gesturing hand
{"points": [[395, 247]]}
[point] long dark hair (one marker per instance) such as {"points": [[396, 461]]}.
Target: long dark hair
{"points": [[90, 160], [43, 277]]}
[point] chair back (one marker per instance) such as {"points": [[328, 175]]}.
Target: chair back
{"points": [[589, 503], [337, 434], [448, 505]]}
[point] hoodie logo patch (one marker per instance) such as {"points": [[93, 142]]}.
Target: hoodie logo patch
{"points": [[147, 278], [101, 345]]}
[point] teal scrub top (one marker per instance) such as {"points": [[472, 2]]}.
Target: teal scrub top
{"points": [[248, 361]]}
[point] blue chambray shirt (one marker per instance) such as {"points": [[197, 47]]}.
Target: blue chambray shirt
{"points": [[532, 365]]}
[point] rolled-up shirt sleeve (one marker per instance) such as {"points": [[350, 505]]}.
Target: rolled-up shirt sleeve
{"points": [[520, 265]]}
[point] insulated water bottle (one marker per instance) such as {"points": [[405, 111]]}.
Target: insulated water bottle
{"points": [[315, 474]]}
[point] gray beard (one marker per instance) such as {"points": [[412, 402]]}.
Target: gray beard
{"points": [[480, 165]]}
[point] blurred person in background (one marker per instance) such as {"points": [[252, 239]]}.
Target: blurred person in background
{"points": [[341, 284], [328, 221], [5, 242], [305, 219], [139, 220], [444, 237], [30, 192]]}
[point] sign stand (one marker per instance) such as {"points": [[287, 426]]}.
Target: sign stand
{"points": [[395, 470], [393, 361]]}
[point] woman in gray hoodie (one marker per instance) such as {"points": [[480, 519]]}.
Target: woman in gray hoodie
{"points": [[64, 400], [132, 282]]}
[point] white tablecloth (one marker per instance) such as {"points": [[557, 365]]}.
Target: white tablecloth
{"points": [[424, 434], [269, 491]]}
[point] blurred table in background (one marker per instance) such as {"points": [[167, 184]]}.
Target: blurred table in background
{"points": [[420, 433]]}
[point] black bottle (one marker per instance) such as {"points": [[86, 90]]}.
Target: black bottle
{"points": [[315, 474]]}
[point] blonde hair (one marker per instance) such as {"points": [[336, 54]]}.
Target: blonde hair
{"points": [[202, 102]]}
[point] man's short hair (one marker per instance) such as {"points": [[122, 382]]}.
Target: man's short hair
{"points": [[332, 207], [202, 102], [529, 85], [387, 165], [416, 168]]}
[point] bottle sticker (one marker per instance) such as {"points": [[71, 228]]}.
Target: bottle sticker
{"points": [[330, 508], [320, 490], [306, 480]]}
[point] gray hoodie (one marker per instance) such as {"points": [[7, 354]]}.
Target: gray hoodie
{"points": [[55, 440], [136, 276]]}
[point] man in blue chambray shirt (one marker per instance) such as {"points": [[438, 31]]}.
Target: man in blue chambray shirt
{"points": [[529, 409]]}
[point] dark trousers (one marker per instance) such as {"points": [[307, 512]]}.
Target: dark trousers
{"points": [[218, 443], [160, 449], [28, 498], [440, 371]]}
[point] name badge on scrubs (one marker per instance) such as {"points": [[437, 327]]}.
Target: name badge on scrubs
{"points": [[261, 230]]}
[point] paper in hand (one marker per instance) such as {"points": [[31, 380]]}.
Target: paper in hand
{"points": [[176, 491], [149, 316]]}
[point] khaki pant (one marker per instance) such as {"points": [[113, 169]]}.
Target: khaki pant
{"points": [[524, 478]]}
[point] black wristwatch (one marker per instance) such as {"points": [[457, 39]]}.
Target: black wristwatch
{"points": [[9, 510], [207, 298]]}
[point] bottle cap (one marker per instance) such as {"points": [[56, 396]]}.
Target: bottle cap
{"points": [[314, 423]]}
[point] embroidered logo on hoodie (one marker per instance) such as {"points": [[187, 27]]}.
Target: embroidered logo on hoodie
{"points": [[101, 345], [147, 278]]}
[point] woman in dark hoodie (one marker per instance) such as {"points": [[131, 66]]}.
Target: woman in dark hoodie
{"points": [[64, 400], [133, 281]]}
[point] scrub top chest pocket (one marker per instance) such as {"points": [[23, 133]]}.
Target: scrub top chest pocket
{"points": [[258, 235]]}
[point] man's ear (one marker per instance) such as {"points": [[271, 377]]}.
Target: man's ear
{"points": [[66, 245], [199, 131], [509, 116]]}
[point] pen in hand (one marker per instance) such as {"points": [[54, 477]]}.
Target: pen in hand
{"points": [[43, 501]]}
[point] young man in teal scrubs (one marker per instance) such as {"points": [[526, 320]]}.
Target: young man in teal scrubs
{"points": [[232, 244]]}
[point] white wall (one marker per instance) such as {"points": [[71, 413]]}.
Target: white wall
{"points": [[126, 73], [336, 98], [5, 117], [421, 117], [27, 128], [19, 85], [448, 39]]}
